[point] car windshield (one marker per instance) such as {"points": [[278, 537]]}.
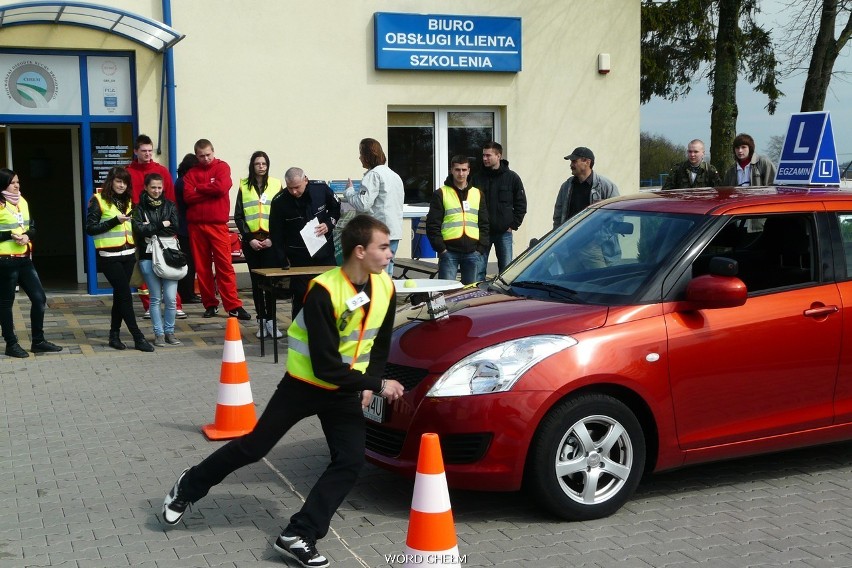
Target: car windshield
{"points": [[604, 257]]}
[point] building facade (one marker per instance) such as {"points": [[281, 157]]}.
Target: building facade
{"points": [[305, 81]]}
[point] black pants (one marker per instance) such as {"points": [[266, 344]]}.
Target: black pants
{"points": [[186, 285], [264, 258], [117, 270], [15, 271], [345, 433], [299, 284]]}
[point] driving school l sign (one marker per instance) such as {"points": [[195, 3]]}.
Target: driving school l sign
{"points": [[447, 43], [809, 155]]}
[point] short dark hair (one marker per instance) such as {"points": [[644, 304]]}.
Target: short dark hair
{"points": [[202, 143], [493, 146], [371, 150], [142, 139], [359, 231], [459, 159], [152, 177], [744, 140]]}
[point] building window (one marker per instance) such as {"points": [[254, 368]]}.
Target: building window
{"points": [[421, 143]]}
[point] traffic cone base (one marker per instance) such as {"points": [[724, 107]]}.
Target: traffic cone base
{"points": [[235, 414]]}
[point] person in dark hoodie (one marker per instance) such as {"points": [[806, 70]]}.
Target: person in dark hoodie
{"points": [[506, 200], [457, 224], [290, 211]]}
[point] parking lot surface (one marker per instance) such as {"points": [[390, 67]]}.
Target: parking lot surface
{"points": [[91, 439]]}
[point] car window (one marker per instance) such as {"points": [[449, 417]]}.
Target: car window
{"points": [[773, 251], [605, 258], [845, 220]]}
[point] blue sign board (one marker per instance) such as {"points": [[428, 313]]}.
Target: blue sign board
{"points": [[447, 43], [809, 155]]}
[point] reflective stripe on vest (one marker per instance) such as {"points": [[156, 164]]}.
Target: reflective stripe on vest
{"points": [[457, 221], [257, 213], [117, 236], [360, 327], [9, 221]]}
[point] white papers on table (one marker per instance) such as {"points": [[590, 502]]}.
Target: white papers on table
{"points": [[312, 241]]}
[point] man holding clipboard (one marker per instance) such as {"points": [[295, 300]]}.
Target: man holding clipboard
{"points": [[301, 224]]}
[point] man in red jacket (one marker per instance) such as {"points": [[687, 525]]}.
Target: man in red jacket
{"points": [[143, 165], [208, 205]]}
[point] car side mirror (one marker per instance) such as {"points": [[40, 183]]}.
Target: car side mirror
{"points": [[712, 291]]}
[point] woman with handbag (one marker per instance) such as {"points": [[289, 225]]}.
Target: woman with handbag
{"points": [[108, 222], [155, 223], [16, 266]]}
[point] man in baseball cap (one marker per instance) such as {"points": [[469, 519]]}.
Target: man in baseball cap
{"points": [[583, 188]]}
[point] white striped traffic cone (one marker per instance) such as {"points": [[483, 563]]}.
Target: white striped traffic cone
{"points": [[431, 539], [235, 414]]}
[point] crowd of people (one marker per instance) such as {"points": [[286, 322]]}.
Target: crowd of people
{"points": [[468, 216]]}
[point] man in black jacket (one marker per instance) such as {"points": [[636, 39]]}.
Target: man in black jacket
{"points": [[290, 211], [506, 201]]}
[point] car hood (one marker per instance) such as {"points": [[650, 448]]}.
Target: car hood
{"points": [[478, 319]]}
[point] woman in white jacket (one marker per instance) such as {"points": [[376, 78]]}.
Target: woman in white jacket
{"points": [[382, 192]]}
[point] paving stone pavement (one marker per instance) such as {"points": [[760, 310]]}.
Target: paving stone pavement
{"points": [[91, 439]]}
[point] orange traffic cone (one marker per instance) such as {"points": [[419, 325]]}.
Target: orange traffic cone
{"points": [[431, 539], [234, 408]]}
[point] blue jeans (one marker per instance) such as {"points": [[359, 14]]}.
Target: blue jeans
{"points": [[503, 247], [14, 271], [450, 262], [394, 244], [160, 291]]}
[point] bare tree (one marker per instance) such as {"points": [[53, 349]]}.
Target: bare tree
{"points": [[813, 36]]}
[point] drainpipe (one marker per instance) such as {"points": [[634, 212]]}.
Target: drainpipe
{"points": [[169, 70]]}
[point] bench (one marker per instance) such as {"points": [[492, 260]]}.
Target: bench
{"points": [[421, 266]]}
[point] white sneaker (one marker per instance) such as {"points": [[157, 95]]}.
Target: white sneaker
{"points": [[147, 315], [260, 327], [278, 333], [180, 314]]}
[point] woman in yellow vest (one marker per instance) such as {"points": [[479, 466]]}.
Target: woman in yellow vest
{"points": [[108, 222], [251, 215], [16, 268]]}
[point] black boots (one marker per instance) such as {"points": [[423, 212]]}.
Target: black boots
{"points": [[141, 344], [115, 341]]}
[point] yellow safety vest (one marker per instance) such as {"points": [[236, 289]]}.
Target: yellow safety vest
{"points": [[457, 221], [357, 329], [117, 236], [16, 220], [257, 212]]}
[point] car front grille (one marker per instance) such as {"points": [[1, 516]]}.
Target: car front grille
{"points": [[410, 377], [455, 448]]}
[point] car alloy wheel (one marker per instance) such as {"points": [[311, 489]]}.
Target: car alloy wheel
{"points": [[587, 457]]}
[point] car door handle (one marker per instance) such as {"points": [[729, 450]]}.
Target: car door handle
{"points": [[822, 312]]}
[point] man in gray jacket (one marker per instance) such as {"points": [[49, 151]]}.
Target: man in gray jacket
{"points": [[583, 188]]}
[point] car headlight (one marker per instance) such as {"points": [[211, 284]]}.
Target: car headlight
{"points": [[498, 368]]}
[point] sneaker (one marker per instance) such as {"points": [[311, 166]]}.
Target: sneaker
{"points": [[239, 313], [147, 315], [173, 506], [172, 340], [15, 350], [302, 549], [159, 341], [44, 346], [180, 314], [278, 333], [261, 329], [211, 311]]}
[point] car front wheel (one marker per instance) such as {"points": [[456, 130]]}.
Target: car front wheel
{"points": [[587, 458]]}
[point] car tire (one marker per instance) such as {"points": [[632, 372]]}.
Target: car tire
{"points": [[592, 438]]}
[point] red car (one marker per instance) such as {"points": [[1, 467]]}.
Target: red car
{"points": [[649, 332]]}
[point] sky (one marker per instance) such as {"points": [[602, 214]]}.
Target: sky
{"points": [[689, 117]]}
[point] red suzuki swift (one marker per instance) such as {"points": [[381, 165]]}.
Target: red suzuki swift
{"points": [[650, 332]]}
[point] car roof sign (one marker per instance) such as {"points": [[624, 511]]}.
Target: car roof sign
{"points": [[809, 155]]}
